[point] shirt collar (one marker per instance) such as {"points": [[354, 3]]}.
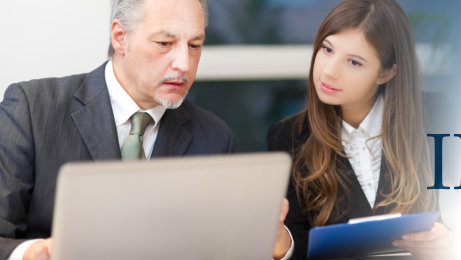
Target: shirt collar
{"points": [[123, 106], [371, 125]]}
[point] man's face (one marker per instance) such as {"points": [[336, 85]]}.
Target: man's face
{"points": [[158, 60]]}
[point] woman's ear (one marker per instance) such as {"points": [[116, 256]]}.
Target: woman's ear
{"points": [[118, 37], [387, 75]]}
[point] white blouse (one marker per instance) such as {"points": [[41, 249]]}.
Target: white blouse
{"points": [[363, 146]]}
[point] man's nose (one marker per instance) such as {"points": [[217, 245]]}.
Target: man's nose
{"points": [[181, 58]]}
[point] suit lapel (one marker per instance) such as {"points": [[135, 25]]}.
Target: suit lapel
{"points": [[357, 205], [93, 117], [384, 187], [173, 138]]}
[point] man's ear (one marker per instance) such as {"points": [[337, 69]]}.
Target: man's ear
{"points": [[387, 75], [118, 36]]}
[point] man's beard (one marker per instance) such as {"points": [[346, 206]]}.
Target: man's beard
{"points": [[169, 104], [166, 103]]}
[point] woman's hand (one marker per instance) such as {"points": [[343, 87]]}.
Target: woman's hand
{"points": [[437, 243], [283, 241], [39, 250]]}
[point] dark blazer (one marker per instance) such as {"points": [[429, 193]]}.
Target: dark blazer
{"points": [[48, 122], [284, 136]]}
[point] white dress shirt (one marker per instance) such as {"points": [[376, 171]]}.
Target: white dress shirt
{"points": [[364, 147], [123, 107]]}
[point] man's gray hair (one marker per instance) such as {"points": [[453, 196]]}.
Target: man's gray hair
{"points": [[127, 11]]}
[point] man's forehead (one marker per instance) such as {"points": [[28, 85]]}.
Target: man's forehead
{"points": [[172, 35]]}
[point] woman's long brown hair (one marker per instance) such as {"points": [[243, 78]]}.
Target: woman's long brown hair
{"points": [[318, 170]]}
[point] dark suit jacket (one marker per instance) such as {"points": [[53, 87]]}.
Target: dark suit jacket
{"points": [[46, 123], [284, 136]]}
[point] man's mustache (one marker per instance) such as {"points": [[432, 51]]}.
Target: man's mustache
{"points": [[175, 77]]}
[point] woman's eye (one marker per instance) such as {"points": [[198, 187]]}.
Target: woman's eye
{"points": [[327, 49], [355, 63]]}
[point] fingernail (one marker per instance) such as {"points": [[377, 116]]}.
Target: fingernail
{"points": [[405, 237], [395, 243]]}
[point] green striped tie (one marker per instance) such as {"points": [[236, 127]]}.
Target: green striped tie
{"points": [[132, 147]]}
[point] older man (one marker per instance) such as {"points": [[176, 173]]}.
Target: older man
{"points": [[155, 50]]}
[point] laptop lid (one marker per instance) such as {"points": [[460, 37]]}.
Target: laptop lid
{"points": [[201, 207]]}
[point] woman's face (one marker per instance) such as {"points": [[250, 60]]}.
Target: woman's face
{"points": [[347, 71]]}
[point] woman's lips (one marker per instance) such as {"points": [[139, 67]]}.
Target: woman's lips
{"points": [[325, 87]]}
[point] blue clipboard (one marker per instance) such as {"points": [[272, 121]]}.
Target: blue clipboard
{"points": [[365, 238]]}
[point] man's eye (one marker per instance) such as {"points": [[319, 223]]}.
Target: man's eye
{"points": [[163, 44], [195, 46]]}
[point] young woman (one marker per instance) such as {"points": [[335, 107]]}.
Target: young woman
{"points": [[359, 147]]}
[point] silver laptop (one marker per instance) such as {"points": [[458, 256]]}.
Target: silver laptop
{"points": [[203, 207]]}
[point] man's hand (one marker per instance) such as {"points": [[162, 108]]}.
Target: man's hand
{"points": [[39, 250], [283, 241], [437, 243]]}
